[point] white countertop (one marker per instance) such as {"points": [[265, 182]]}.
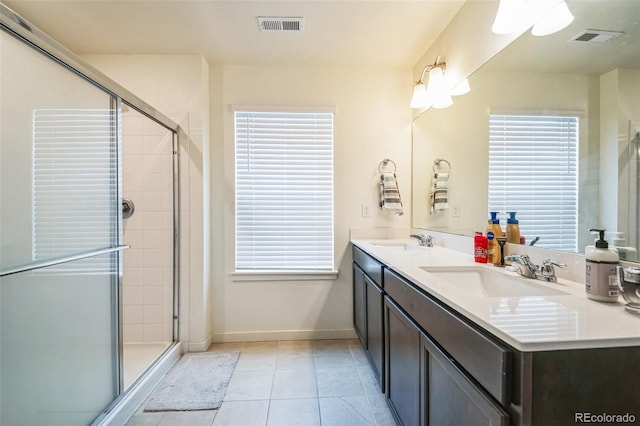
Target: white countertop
{"points": [[531, 323]]}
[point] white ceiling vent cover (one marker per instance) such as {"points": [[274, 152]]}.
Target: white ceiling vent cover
{"points": [[595, 36], [280, 24]]}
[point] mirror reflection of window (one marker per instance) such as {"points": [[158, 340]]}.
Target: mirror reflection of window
{"points": [[533, 170], [73, 168]]}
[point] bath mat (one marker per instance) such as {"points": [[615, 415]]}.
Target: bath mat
{"points": [[198, 381]]}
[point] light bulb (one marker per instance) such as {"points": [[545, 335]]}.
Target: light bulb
{"points": [[419, 98], [462, 88], [510, 16], [558, 18]]}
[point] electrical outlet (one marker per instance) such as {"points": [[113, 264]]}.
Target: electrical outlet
{"points": [[366, 210], [455, 210]]}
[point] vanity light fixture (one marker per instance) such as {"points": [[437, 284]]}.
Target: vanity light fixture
{"points": [[436, 93], [513, 14]]}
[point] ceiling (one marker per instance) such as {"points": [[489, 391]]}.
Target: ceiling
{"points": [[555, 52], [392, 33]]}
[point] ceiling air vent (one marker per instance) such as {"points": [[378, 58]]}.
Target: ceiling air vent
{"points": [[279, 24], [595, 36]]}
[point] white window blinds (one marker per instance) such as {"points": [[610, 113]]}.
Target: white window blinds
{"points": [[74, 185], [284, 191], [533, 171]]}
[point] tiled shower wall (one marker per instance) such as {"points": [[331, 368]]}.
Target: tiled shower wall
{"points": [[147, 179]]}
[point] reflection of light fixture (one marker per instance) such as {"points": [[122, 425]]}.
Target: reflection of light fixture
{"points": [[462, 88], [509, 17], [558, 18], [513, 14], [419, 98], [437, 92]]}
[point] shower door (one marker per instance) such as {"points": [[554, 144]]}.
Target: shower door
{"points": [[59, 235]]}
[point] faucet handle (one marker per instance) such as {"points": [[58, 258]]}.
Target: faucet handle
{"points": [[547, 270], [548, 263]]}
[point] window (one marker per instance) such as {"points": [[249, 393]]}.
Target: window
{"points": [[533, 171], [284, 191]]}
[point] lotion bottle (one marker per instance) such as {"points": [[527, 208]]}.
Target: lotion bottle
{"points": [[601, 280], [493, 231], [513, 229]]}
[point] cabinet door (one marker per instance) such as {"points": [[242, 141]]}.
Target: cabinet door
{"points": [[359, 305], [402, 365], [449, 397], [375, 329]]}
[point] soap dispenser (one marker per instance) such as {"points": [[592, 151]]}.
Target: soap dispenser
{"points": [[625, 252], [494, 231], [513, 229], [601, 280]]}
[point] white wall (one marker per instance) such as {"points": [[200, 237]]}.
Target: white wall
{"points": [[372, 122], [178, 86]]}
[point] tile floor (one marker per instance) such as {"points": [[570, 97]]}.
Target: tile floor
{"points": [[309, 383]]}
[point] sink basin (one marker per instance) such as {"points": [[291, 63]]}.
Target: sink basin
{"points": [[388, 244], [488, 283], [399, 244]]}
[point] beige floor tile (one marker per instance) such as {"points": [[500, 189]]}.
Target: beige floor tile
{"points": [[253, 361], [268, 347], [368, 380], [145, 419], [284, 345], [333, 360], [281, 381], [249, 385], [380, 410], [224, 347], [188, 418], [242, 413], [289, 384], [296, 362], [341, 411], [294, 412], [359, 355], [338, 382]]}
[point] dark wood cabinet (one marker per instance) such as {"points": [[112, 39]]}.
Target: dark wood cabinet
{"points": [[368, 310], [375, 329], [402, 365], [440, 368], [449, 397], [359, 305]]}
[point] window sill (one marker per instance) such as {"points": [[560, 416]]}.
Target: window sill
{"points": [[283, 275]]}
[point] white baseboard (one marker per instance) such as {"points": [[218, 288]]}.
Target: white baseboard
{"points": [[257, 336], [199, 346]]}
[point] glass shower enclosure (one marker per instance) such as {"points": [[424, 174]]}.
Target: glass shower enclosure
{"points": [[62, 242]]}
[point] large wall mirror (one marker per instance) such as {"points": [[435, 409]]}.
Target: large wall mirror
{"points": [[570, 84]]}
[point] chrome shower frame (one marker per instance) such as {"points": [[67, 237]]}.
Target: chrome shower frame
{"points": [[16, 26]]}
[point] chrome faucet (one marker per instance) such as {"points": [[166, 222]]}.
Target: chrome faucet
{"points": [[526, 268], [423, 240], [547, 271]]}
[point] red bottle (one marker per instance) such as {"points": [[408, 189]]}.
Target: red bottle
{"points": [[480, 248]]}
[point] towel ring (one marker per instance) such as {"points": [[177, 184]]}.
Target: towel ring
{"points": [[436, 164], [384, 163]]}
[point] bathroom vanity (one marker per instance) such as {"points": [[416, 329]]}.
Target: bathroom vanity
{"points": [[458, 343]]}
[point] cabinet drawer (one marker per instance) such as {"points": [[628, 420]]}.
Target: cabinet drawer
{"points": [[369, 265], [484, 359]]}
